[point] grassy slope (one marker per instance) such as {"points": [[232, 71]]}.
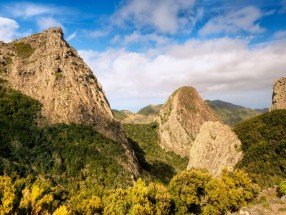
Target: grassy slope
{"points": [[150, 109], [119, 114], [231, 114], [161, 165], [264, 145]]}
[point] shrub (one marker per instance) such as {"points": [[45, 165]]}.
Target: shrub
{"points": [[7, 195], [197, 192], [139, 199], [282, 188], [23, 50]]}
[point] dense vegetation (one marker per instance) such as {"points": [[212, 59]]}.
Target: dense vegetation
{"points": [[159, 164], [231, 114], [72, 169], [193, 191], [264, 146], [73, 156]]}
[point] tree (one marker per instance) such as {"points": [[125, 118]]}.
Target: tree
{"points": [[188, 190]]}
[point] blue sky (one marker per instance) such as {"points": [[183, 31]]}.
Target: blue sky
{"points": [[142, 50]]}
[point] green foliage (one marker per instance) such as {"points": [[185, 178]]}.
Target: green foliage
{"points": [[282, 188], [264, 146], [231, 114], [139, 199], [74, 156], [23, 50], [158, 163], [197, 192]]}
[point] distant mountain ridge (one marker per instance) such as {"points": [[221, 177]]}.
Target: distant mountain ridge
{"points": [[229, 113], [232, 114]]}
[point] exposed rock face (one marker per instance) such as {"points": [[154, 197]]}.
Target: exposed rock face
{"points": [[181, 118], [216, 147], [279, 94], [46, 68]]}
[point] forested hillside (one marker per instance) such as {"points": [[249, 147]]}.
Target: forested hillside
{"points": [[264, 146]]}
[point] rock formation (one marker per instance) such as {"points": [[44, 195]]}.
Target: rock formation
{"points": [[215, 147], [279, 94], [181, 118], [46, 68]]}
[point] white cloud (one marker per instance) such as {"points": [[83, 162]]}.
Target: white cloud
{"points": [[8, 28], [280, 35], [222, 67], [98, 34], [27, 9], [71, 36], [137, 37], [48, 22], [243, 20], [166, 16]]}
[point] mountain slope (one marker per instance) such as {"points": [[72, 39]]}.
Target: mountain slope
{"points": [[46, 68], [231, 114], [150, 110], [70, 155], [264, 147]]}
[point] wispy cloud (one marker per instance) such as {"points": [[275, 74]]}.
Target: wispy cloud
{"points": [[71, 36], [144, 39], [166, 16], [242, 20], [98, 33], [47, 22], [27, 9], [8, 29], [280, 35]]}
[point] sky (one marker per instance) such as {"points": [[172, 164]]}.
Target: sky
{"points": [[143, 50]]}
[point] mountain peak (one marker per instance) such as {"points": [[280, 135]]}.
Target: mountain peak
{"points": [[180, 119], [45, 67], [279, 94]]}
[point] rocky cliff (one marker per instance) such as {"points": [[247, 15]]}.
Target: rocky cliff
{"points": [[45, 67], [279, 94], [181, 118], [215, 147]]}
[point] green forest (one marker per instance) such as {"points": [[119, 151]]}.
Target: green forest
{"points": [[72, 169]]}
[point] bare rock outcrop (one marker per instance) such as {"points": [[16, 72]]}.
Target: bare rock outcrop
{"points": [[45, 67], [216, 147], [181, 118], [279, 94]]}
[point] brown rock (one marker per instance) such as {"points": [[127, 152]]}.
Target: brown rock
{"points": [[216, 147], [181, 118], [45, 67], [279, 94]]}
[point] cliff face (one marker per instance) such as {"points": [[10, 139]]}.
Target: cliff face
{"points": [[46, 68], [216, 147], [279, 94], [181, 118]]}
